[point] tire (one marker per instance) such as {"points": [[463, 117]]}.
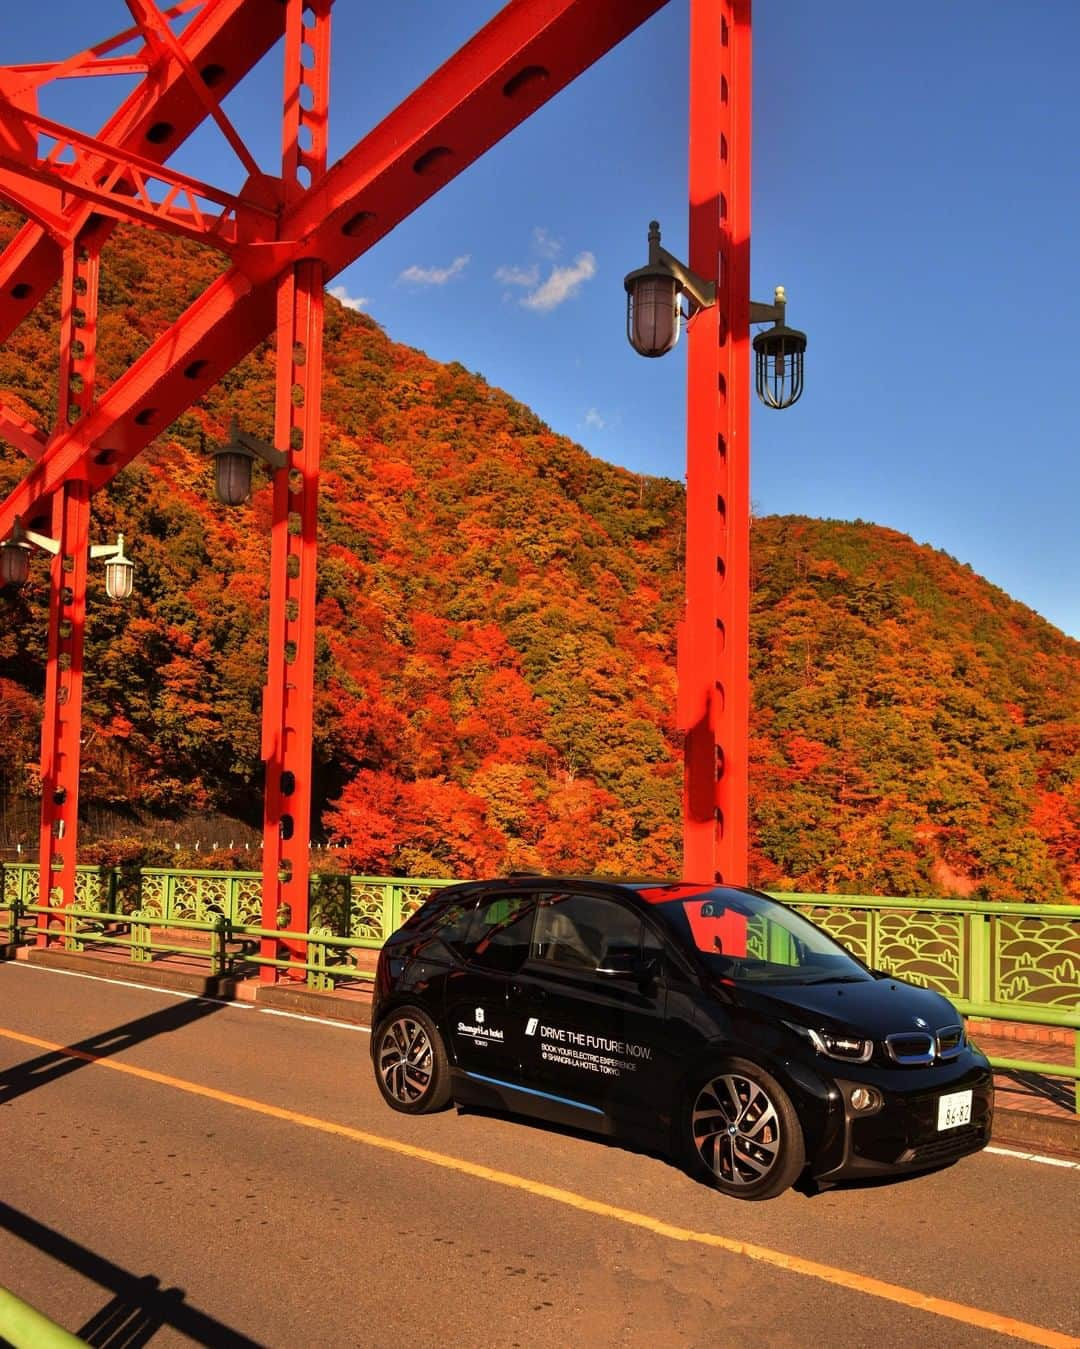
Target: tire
{"points": [[411, 1068], [740, 1132]]}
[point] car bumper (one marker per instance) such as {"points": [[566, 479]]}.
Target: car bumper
{"points": [[903, 1136]]}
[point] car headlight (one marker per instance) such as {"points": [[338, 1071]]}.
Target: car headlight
{"points": [[848, 1048]]}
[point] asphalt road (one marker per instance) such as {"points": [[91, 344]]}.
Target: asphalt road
{"points": [[216, 1174]]}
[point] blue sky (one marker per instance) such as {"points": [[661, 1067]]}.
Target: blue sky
{"points": [[915, 189]]}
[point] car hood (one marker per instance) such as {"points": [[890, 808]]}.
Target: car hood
{"points": [[871, 1008]]}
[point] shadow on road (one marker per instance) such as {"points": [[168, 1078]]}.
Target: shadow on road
{"points": [[46, 1068], [805, 1185], [139, 1307], [1059, 1090]]}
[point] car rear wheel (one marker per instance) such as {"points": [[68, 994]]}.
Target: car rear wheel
{"points": [[411, 1068], [741, 1131]]}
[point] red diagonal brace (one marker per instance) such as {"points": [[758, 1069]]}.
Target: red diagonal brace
{"points": [[223, 41], [528, 52], [19, 432], [118, 183]]}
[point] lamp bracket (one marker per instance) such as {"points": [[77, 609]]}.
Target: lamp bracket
{"points": [[702, 292], [769, 313], [245, 443], [30, 536]]}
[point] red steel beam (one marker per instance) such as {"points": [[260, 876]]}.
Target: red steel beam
{"points": [[288, 702], [223, 41], [61, 727], [714, 679], [522, 58]]}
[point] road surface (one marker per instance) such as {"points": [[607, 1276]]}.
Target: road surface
{"points": [[212, 1173]]}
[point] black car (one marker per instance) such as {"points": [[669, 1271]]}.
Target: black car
{"points": [[710, 1022]]}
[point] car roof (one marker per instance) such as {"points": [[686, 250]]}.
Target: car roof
{"points": [[651, 890]]}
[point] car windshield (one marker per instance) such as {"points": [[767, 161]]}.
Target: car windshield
{"points": [[748, 938]]}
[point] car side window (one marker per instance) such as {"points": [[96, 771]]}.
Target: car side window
{"points": [[452, 928], [500, 931], [585, 932]]}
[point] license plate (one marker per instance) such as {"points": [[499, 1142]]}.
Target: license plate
{"points": [[953, 1109]]}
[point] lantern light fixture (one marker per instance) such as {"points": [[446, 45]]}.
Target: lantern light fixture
{"points": [[233, 464], [654, 298], [654, 315], [15, 560], [15, 553], [119, 570], [778, 354]]}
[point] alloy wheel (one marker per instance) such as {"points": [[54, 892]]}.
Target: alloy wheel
{"points": [[406, 1060], [736, 1129]]}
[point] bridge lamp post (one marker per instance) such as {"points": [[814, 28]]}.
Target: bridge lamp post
{"points": [[714, 634]]}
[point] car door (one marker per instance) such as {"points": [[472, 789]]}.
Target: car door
{"points": [[593, 1033], [483, 1040]]}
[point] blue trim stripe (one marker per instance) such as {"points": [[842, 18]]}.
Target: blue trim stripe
{"points": [[531, 1091]]}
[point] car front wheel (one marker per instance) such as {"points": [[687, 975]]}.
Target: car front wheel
{"points": [[411, 1068], [741, 1131]]}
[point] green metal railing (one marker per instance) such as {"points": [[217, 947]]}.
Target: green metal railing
{"points": [[96, 886], [23, 1327], [1012, 962], [1010, 955]]}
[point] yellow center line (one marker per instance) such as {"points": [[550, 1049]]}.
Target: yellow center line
{"points": [[795, 1264]]}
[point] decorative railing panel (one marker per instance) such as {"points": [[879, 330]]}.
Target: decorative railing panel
{"points": [[95, 887], [201, 896], [1036, 961], [1019, 955]]}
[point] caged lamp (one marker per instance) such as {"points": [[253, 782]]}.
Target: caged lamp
{"points": [[654, 315]]}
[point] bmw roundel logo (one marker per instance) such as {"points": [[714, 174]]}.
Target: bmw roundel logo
{"points": [[922, 1025]]}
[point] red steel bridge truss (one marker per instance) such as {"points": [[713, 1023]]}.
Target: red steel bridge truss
{"points": [[284, 236]]}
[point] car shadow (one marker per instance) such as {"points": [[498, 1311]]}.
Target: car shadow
{"points": [[139, 1306], [619, 1144], [805, 1185]]}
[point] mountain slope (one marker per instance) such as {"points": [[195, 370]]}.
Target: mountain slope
{"points": [[495, 654]]}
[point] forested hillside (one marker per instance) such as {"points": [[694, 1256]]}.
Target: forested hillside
{"points": [[496, 656]]}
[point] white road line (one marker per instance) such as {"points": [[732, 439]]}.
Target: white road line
{"points": [[128, 983], [197, 997], [318, 1020], [1034, 1157]]}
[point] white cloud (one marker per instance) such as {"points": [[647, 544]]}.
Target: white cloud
{"points": [[563, 284], [593, 419], [519, 276], [349, 301], [545, 244], [434, 276]]}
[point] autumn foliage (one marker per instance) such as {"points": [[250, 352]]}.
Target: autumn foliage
{"points": [[495, 665]]}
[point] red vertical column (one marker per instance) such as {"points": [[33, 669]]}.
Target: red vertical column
{"points": [[61, 731], [287, 709], [714, 681]]}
